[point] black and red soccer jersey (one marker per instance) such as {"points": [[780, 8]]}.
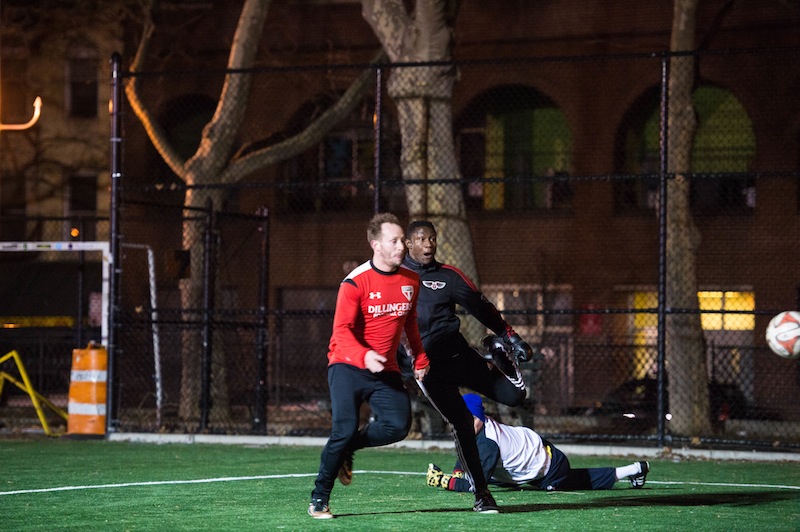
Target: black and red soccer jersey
{"points": [[442, 287], [369, 305]]}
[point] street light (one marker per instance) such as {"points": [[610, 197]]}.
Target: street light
{"points": [[37, 110]]}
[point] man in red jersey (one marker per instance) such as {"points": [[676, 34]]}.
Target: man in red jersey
{"points": [[375, 305]]}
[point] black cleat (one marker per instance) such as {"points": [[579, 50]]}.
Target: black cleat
{"points": [[484, 503], [319, 509], [638, 480], [497, 353], [346, 471]]}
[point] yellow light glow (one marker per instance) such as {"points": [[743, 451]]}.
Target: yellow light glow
{"points": [[37, 111]]}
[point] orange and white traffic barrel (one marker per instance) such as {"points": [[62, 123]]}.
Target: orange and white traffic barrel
{"points": [[87, 391]]}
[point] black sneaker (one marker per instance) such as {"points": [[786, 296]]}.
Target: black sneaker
{"points": [[319, 509], [497, 354], [484, 503], [346, 471], [638, 480]]}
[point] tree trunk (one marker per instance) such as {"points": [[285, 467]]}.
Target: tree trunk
{"points": [[423, 95], [685, 347], [211, 164], [203, 168], [192, 291]]}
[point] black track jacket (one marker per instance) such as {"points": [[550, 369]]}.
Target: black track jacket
{"points": [[442, 287]]}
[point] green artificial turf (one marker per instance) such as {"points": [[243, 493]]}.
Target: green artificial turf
{"points": [[60, 484]]}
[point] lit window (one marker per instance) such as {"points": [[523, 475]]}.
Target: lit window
{"points": [[514, 151], [644, 333], [710, 300], [723, 149], [730, 301], [726, 333]]}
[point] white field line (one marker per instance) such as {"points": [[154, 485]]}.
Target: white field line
{"points": [[301, 475]]}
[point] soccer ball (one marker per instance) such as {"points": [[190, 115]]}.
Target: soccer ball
{"points": [[783, 334]]}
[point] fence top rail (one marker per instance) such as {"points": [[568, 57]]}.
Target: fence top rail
{"points": [[462, 62]]}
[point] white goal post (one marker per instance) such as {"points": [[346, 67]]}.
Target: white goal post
{"points": [[96, 246]]}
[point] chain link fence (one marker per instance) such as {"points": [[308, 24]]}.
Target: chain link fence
{"points": [[642, 249]]}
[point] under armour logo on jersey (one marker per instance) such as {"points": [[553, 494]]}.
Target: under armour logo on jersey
{"points": [[434, 285], [374, 295]]}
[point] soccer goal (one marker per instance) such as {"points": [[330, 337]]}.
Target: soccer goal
{"points": [[102, 247], [96, 247]]}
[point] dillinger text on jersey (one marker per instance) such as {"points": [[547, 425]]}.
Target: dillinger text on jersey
{"points": [[392, 309]]}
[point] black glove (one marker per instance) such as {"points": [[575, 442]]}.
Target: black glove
{"points": [[520, 350], [494, 346]]}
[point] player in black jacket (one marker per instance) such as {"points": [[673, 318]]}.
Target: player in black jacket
{"points": [[453, 363]]}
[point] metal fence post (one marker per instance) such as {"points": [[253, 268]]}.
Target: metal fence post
{"points": [[377, 125], [209, 273], [112, 422], [262, 336], [81, 281], [662, 251]]}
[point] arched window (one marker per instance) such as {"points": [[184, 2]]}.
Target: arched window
{"points": [[724, 146], [337, 174], [514, 145]]}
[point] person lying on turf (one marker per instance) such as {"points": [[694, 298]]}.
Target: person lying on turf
{"points": [[518, 456]]}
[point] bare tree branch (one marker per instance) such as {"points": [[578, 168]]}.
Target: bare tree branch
{"points": [[217, 138], [307, 138], [154, 130]]}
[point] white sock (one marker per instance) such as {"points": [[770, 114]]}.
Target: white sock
{"points": [[628, 470]]}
